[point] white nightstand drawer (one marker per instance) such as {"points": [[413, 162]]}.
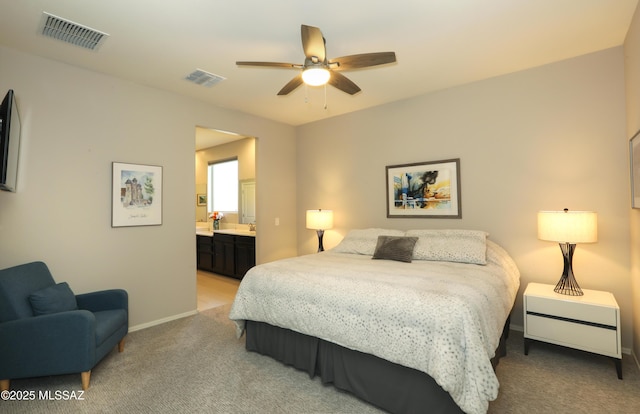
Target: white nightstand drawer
{"points": [[574, 309], [574, 335]]}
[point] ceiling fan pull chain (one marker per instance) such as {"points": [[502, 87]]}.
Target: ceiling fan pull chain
{"points": [[325, 96], [306, 94]]}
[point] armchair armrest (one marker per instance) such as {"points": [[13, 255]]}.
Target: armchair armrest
{"points": [[48, 344], [103, 300]]}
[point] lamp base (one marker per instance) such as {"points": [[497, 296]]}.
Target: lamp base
{"points": [[320, 246], [567, 285]]}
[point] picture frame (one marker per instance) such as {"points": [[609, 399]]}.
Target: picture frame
{"points": [[424, 190], [136, 195], [634, 163], [201, 199]]}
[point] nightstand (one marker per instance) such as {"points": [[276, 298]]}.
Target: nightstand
{"points": [[590, 322]]}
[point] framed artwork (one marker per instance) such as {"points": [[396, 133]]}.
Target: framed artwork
{"points": [[201, 199], [425, 189], [136, 195], [634, 152]]}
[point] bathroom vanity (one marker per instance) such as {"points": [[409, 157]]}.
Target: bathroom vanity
{"points": [[226, 252]]}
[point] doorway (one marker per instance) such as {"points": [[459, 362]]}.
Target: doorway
{"points": [[247, 201], [213, 146]]}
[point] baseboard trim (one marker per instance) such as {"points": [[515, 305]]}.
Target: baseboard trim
{"points": [[635, 358], [161, 321], [517, 328]]}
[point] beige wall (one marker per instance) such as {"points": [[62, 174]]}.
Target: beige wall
{"points": [[632, 83], [542, 139], [75, 124], [546, 138], [243, 149]]}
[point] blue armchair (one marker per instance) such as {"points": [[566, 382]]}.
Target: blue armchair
{"points": [[47, 330]]}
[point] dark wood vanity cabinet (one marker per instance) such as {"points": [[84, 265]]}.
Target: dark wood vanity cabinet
{"points": [[224, 257], [226, 254], [204, 251], [245, 250]]}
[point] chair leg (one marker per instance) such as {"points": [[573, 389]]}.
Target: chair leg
{"points": [[121, 345], [4, 385], [86, 377]]}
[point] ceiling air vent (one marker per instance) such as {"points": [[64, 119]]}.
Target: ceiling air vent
{"points": [[201, 77], [70, 32]]}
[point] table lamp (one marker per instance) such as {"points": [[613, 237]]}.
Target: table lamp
{"points": [[320, 220], [568, 228]]}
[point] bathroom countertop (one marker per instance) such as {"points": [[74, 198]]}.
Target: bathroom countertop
{"points": [[203, 231]]}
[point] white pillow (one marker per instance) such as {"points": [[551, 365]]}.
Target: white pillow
{"points": [[463, 246], [363, 241]]}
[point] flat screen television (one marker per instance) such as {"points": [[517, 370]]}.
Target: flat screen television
{"points": [[9, 142]]}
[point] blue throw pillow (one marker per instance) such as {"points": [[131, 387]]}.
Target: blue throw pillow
{"points": [[53, 299]]}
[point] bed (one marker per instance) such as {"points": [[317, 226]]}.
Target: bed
{"points": [[408, 321]]}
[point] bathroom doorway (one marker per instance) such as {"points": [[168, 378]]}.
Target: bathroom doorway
{"points": [[213, 146]]}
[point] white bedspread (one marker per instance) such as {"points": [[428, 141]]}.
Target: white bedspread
{"points": [[441, 318]]}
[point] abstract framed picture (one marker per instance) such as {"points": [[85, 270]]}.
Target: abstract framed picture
{"points": [[201, 199], [136, 195], [425, 189], [634, 162]]}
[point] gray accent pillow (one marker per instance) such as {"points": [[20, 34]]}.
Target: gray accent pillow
{"points": [[53, 299], [395, 248]]}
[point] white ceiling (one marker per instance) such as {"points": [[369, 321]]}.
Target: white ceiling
{"points": [[438, 44]]}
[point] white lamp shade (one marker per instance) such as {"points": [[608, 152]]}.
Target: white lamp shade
{"points": [[316, 76], [568, 226], [319, 219]]}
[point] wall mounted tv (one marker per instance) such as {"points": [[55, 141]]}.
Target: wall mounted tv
{"points": [[9, 142]]}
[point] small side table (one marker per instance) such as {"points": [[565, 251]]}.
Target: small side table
{"points": [[590, 322]]}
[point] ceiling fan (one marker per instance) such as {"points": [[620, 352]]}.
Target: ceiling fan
{"points": [[318, 70]]}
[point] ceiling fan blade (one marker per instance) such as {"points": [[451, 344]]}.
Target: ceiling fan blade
{"points": [[313, 42], [363, 60], [272, 64], [291, 86], [343, 83]]}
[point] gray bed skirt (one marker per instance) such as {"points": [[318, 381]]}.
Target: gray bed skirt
{"points": [[391, 387]]}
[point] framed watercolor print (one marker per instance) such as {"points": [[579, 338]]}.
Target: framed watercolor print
{"points": [[426, 189], [634, 152], [201, 199], [136, 195]]}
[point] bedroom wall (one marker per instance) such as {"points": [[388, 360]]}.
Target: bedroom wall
{"points": [[632, 85], [75, 124], [541, 139]]}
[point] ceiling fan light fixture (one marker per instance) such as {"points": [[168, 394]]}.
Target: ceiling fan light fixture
{"points": [[317, 70], [316, 76]]}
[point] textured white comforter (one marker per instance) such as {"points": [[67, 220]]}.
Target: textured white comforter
{"points": [[441, 318]]}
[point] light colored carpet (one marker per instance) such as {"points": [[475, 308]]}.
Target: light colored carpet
{"points": [[197, 365]]}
